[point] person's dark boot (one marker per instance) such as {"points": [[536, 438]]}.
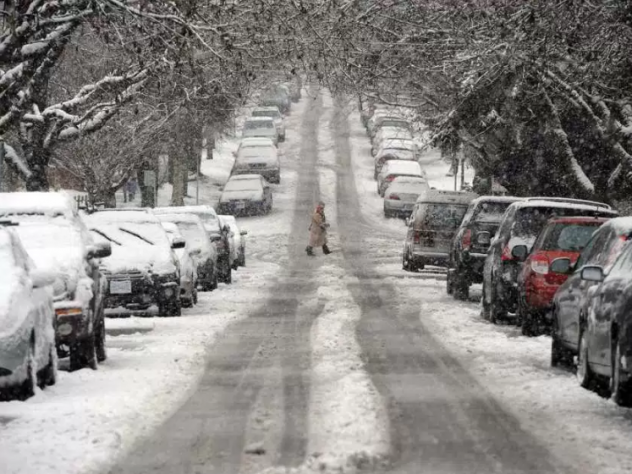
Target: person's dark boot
{"points": [[326, 250], [309, 251]]}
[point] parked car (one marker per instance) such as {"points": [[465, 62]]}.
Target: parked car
{"points": [[188, 267], [143, 272], [390, 121], [295, 89], [217, 235], [395, 168], [386, 134], [58, 240], [58, 246], [401, 195], [261, 127], [469, 246], [245, 196], [27, 337], [255, 142], [393, 150], [522, 223], [199, 242], [435, 219], [378, 115], [232, 240], [263, 161], [278, 96], [562, 237], [570, 302], [605, 336], [275, 115], [240, 239]]}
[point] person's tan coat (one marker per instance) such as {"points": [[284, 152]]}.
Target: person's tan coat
{"points": [[317, 230]]}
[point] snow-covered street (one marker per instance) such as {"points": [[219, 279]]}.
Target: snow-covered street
{"points": [[333, 364]]}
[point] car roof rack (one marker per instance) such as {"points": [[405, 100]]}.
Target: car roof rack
{"points": [[570, 201]]}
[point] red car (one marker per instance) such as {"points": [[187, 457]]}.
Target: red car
{"points": [[562, 237]]}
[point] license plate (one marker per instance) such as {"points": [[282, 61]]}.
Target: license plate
{"points": [[120, 287]]}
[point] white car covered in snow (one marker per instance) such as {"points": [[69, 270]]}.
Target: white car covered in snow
{"points": [[188, 267], [255, 142], [258, 160], [395, 168], [27, 338], [273, 113], [245, 196], [401, 195], [143, 272], [57, 239], [393, 150], [261, 127]]}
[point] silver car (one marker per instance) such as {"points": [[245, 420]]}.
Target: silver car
{"points": [[400, 196], [273, 113], [27, 338]]}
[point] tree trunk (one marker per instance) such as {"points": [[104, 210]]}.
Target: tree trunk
{"points": [[179, 178], [38, 181]]}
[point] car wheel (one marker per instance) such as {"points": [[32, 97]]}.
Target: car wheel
{"points": [[176, 308], [83, 354], [101, 349], [560, 355], [497, 310], [406, 262], [27, 388], [49, 373], [619, 381], [485, 310], [449, 288], [194, 295], [461, 288], [387, 214], [585, 376], [529, 326]]}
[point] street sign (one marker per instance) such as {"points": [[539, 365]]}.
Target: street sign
{"points": [[149, 179]]}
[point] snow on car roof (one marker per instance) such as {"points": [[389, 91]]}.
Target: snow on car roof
{"points": [[243, 185], [40, 203], [409, 180], [543, 202], [245, 177], [257, 151], [507, 199], [442, 196], [201, 209], [179, 217], [621, 225], [405, 166], [397, 143], [111, 217], [266, 108], [256, 141], [259, 119]]}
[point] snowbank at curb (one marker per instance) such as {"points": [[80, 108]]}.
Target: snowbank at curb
{"points": [[349, 426]]}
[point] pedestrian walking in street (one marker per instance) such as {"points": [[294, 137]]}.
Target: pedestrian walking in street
{"points": [[318, 231]]}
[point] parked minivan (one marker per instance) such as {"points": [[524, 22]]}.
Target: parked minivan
{"points": [[435, 218]]}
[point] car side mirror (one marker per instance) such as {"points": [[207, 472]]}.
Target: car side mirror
{"points": [[592, 273], [100, 250], [520, 252], [178, 243], [484, 238], [41, 278], [561, 265], [244, 232]]}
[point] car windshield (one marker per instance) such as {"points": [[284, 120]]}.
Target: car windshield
{"points": [[266, 113], [490, 211], [242, 185], [567, 237], [132, 233], [258, 124], [445, 216]]}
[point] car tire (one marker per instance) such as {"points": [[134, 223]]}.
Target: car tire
{"points": [[102, 353], [621, 390], [449, 286], [387, 214], [497, 310], [48, 375], [27, 388], [194, 296], [406, 264], [529, 322], [560, 355], [585, 376], [461, 288], [485, 310], [84, 354]]}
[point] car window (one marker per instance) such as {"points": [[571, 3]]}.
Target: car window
{"points": [[445, 216], [506, 222], [594, 250], [623, 265], [490, 211], [566, 237], [257, 124]]}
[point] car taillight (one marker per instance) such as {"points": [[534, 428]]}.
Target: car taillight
{"points": [[395, 197], [506, 256], [540, 264], [466, 240], [417, 237]]}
